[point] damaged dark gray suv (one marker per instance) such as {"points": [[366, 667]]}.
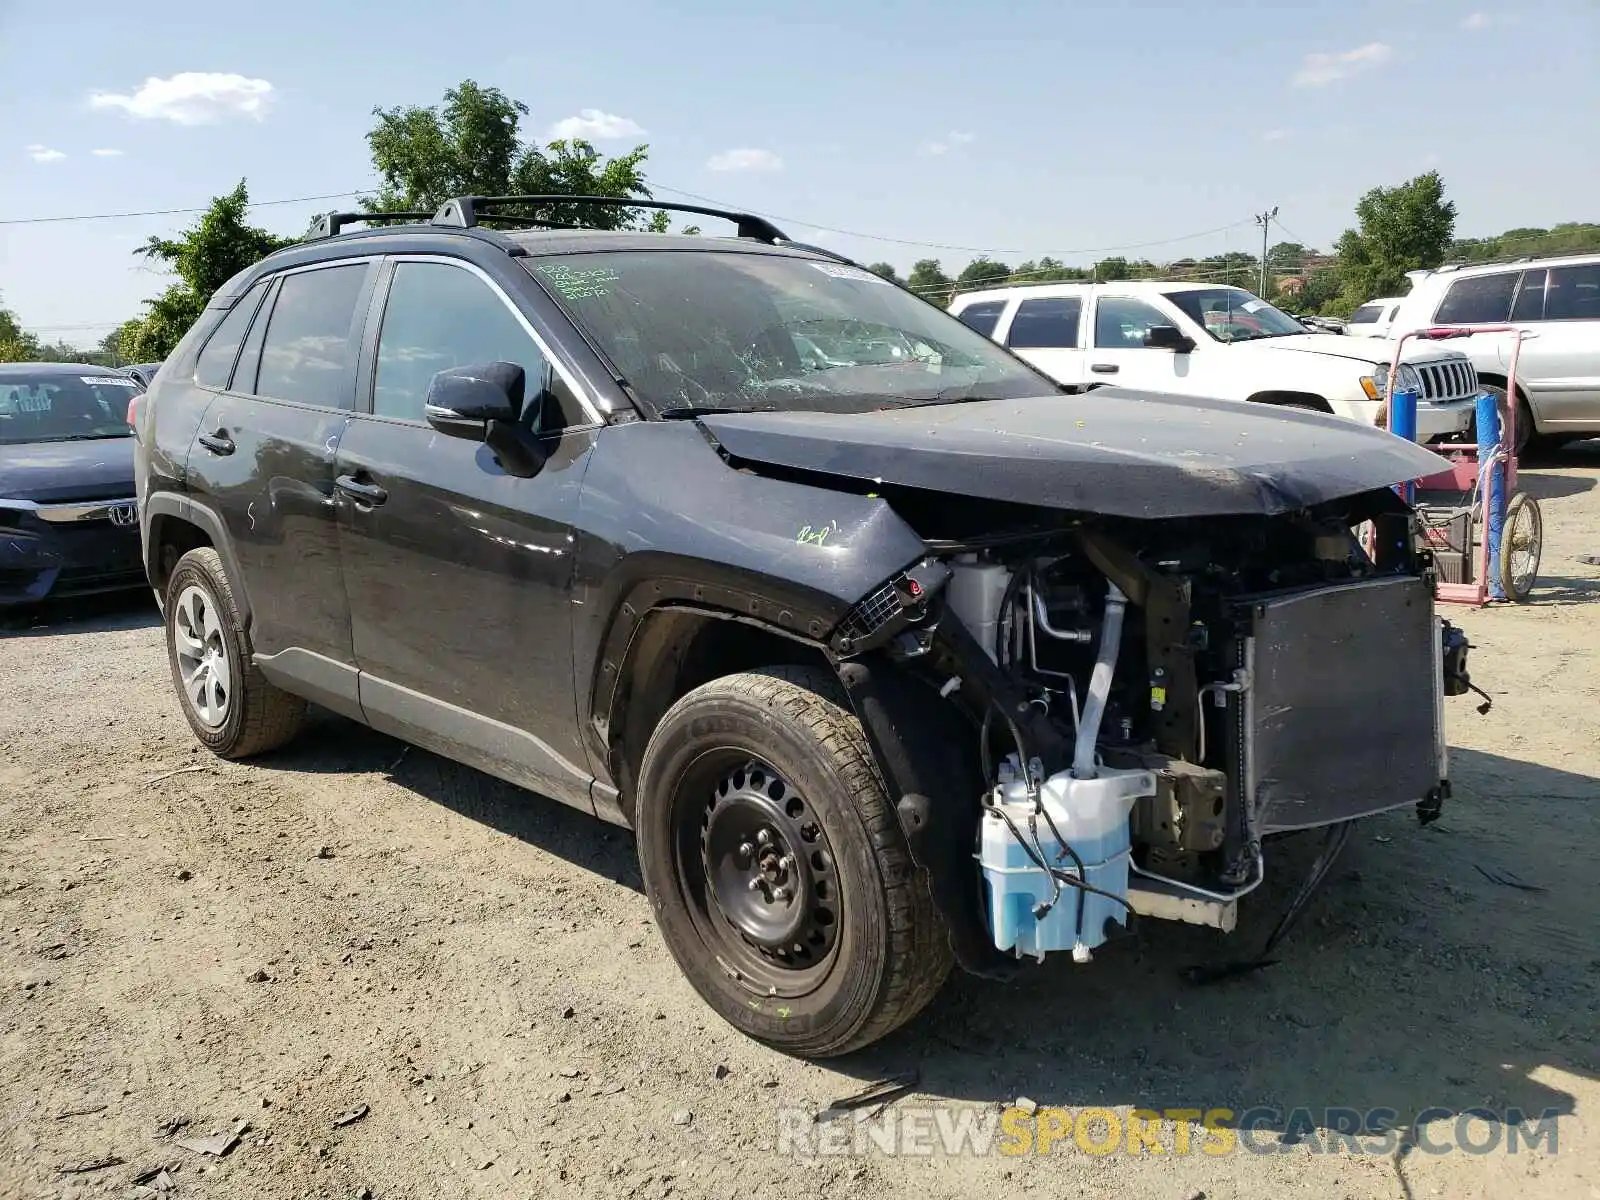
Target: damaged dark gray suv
{"points": [[892, 654]]}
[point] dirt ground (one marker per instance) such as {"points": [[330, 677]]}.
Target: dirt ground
{"points": [[349, 923]]}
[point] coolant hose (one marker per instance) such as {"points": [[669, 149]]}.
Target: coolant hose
{"points": [[1105, 666]]}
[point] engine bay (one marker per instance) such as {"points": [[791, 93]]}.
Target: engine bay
{"points": [[1157, 699]]}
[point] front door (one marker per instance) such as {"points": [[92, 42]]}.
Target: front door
{"points": [[459, 574], [1117, 353], [264, 455]]}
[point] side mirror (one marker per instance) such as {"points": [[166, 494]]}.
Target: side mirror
{"points": [[484, 403], [462, 401], [1168, 337]]}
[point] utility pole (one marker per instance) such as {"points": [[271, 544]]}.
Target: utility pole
{"points": [[1265, 221]]}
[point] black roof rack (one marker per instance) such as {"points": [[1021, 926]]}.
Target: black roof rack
{"points": [[327, 225], [467, 211]]}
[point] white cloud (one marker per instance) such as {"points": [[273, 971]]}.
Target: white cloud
{"points": [[1476, 21], [193, 98], [941, 146], [106, 153], [1275, 135], [592, 125], [43, 154], [745, 160], [1319, 70]]}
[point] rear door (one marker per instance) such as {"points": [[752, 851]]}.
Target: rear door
{"points": [[459, 574], [1566, 354], [1048, 332], [265, 454]]}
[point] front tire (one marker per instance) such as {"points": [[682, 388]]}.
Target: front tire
{"points": [[229, 704], [777, 869]]}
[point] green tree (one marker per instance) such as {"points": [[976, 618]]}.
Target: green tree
{"points": [[886, 270], [928, 280], [1570, 237], [16, 344], [982, 272], [1109, 270], [1047, 270], [220, 245], [1401, 229], [471, 146]]}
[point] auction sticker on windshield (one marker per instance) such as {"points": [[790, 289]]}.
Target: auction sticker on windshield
{"points": [[839, 271]]}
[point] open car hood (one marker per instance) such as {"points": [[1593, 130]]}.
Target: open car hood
{"points": [[1110, 451]]}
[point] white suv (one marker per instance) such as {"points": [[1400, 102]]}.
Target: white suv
{"points": [[1559, 300], [1374, 318], [1220, 342]]}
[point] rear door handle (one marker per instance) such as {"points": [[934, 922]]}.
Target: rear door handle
{"points": [[363, 493], [1104, 368], [218, 442]]}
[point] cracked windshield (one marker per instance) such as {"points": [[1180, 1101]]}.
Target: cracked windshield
{"points": [[700, 331]]}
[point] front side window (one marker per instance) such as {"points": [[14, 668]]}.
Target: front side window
{"points": [[1479, 300], [982, 316], [1574, 294], [214, 367], [40, 406], [1367, 314], [1046, 323], [1231, 314], [1121, 322], [440, 316], [309, 352], [745, 331]]}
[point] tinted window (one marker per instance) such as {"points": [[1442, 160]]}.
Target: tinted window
{"points": [[982, 316], [215, 363], [1481, 300], [244, 375], [1367, 314], [437, 317], [309, 350], [1120, 322], [1047, 322], [1530, 298], [1574, 294]]}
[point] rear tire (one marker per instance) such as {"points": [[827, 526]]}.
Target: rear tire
{"points": [[817, 958], [229, 704]]}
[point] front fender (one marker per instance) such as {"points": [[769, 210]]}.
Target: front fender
{"points": [[665, 520]]}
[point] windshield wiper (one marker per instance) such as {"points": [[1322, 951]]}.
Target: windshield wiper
{"points": [[688, 412]]}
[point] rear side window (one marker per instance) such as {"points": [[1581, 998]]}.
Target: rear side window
{"points": [[1367, 314], [1574, 294], [214, 367], [982, 316], [310, 348], [1046, 323], [1480, 300], [1530, 298]]}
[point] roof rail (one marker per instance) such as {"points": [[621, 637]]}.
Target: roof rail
{"points": [[1503, 260], [327, 225], [467, 211]]}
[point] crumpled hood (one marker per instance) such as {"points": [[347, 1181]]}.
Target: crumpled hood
{"points": [[1111, 451], [51, 472]]}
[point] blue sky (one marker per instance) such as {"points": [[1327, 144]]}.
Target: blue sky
{"points": [[1026, 129]]}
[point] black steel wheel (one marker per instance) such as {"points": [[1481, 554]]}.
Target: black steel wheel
{"points": [[777, 869]]}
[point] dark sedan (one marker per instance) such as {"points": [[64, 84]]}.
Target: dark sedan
{"points": [[69, 523], [143, 372]]}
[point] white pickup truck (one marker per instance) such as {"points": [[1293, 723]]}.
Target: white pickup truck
{"points": [[1220, 342]]}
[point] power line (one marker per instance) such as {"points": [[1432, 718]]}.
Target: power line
{"points": [[167, 212]]}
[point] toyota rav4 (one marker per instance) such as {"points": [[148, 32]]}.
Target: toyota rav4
{"points": [[891, 653]]}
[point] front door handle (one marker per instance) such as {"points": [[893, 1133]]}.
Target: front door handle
{"points": [[363, 493], [1104, 368], [217, 442]]}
